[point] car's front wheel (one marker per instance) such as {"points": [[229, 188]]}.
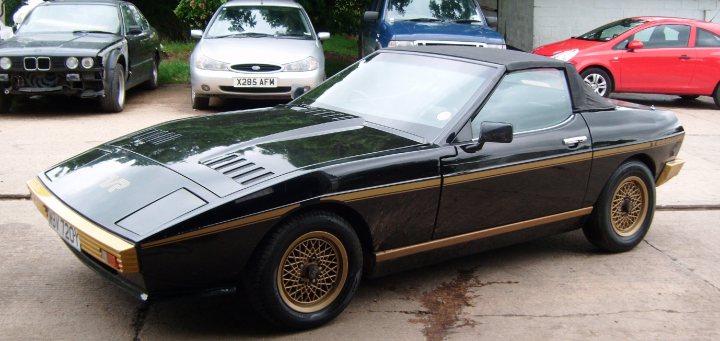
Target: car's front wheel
{"points": [[625, 209], [114, 100], [199, 102], [598, 80], [306, 272]]}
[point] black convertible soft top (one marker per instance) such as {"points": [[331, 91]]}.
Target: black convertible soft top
{"points": [[583, 98]]}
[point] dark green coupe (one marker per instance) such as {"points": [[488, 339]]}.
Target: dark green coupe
{"points": [[407, 157], [89, 49]]}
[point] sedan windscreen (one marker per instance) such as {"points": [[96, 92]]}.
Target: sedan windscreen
{"points": [[72, 18], [250, 21], [403, 91], [431, 10]]}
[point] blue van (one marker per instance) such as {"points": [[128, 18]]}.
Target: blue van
{"points": [[393, 23]]}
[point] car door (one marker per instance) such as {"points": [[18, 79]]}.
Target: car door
{"points": [[665, 64], [139, 47], [542, 172], [707, 50]]}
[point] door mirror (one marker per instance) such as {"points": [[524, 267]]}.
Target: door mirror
{"points": [[197, 34], [371, 16], [134, 30], [323, 35], [492, 21], [498, 132], [297, 90], [634, 45]]}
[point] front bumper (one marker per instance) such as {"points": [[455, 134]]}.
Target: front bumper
{"points": [[210, 83], [671, 169], [81, 83]]}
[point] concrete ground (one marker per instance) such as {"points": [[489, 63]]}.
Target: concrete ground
{"points": [[553, 288]]}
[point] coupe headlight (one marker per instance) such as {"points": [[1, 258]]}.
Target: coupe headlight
{"points": [[400, 43], [72, 63], [205, 63], [87, 62], [5, 63], [566, 55], [307, 64]]}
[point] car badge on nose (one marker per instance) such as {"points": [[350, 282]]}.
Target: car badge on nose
{"points": [[255, 68]]}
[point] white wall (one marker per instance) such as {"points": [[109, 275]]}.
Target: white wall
{"points": [[515, 22], [560, 19]]}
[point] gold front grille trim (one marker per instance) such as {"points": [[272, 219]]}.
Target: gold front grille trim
{"points": [[93, 239]]}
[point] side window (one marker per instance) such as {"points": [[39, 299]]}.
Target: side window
{"points": [[529, 100], [706, 38], [664, 36], [128, 18], [139, 18]]}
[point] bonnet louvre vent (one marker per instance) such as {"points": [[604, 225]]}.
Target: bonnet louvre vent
{"points": [[238, 169], [333, 115], [154, 137]]}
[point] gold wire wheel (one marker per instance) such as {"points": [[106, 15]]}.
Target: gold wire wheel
{"points": [[312, 272], [629, 206]]}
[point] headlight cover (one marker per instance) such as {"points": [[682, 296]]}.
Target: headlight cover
{"points": [[72, 63], [307, 64], [5, 63], [400, 43], [205, 63], [87, 62], [566, 55]]}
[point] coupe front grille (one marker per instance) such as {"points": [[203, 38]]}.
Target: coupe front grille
{"points": [[154, 137], [238, 168], [256, 67], [333, 115]]}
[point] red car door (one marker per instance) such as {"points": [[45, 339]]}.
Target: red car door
{"points": [[707, 49], [665, 64]]}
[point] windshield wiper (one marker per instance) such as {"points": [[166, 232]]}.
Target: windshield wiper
{"points": [[92, 31], [423, 19], [245, 34], [466, 21]]}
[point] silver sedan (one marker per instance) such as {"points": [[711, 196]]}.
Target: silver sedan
{"points": [[258, 50]]}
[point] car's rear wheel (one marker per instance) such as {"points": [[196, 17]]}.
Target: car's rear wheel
{"points": [[114, 100], [625, 209], [598, 80], [199, 102], [154, 81], [5, 103], [306, 272], [689, 97]]}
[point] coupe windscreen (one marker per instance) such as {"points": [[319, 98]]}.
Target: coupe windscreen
{"points": [[72, 18], [413, 93], [260, 21], [611, 30], [433, 10]]}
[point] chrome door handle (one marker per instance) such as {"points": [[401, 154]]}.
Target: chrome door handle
{"points": [[571, 141]]}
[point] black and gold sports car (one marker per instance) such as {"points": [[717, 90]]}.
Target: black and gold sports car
{"points": [[407, 157]]}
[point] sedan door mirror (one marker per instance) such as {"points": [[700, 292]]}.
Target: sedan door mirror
{"points": [[297, 90], [371, 16], [634, 45], [197, 34], [134, 31], [323, 35], [498, 132]]}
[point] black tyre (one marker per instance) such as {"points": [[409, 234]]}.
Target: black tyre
{"points": [[154, 81], [625, 209], [306, 272], [5, 103], [689, 97], [598, 80], [199, 102], [716, 95], [114, 100]]}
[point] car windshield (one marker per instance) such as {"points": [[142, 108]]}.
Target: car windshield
{"points": [[611, 30], [433, 10], [409, 92], [72, 18], [260, 21]]}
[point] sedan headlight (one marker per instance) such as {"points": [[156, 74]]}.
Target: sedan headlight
{"points": [[87, 62], [307, 64], [72, 63], [566, 55], [400, 43], [205, 63], [5, 63]]}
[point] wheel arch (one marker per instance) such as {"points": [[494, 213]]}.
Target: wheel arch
{"points": [[646, 160]]}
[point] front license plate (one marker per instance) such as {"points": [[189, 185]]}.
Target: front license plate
{"points": [[255, 82], [66, 231]]}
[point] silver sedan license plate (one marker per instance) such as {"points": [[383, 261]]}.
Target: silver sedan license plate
{"points": [[255, 82], [66, 231]]}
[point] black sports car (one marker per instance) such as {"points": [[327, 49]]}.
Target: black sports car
{"points": [[407, 157], [89, 49]]}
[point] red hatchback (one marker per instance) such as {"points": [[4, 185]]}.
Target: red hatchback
{"points": [[646, 55]]}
